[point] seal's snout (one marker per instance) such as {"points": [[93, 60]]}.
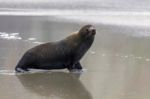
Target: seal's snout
{"points": [[93, 31]]}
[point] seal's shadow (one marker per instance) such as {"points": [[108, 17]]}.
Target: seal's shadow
{"points": [[59, 84]]}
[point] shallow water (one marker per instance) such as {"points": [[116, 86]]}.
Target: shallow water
{"points": [[116, 66]]}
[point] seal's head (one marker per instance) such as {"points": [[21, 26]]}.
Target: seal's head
{"points": [[87, 31]]}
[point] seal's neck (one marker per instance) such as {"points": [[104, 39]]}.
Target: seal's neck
{"points": [[82, 48]]}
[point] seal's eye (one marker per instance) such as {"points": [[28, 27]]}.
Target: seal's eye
{"points": [[87, 30]]}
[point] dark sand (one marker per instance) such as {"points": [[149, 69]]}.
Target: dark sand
{"points": [[116, 67]]}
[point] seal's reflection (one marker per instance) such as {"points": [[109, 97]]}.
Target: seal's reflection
{"points": [[55, 84]]}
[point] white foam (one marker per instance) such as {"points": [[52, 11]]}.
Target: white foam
{"points": [[92, 52], [7, 72], [73, 12], [37, 42], [31, 39], [147, 59], [10, 36]]}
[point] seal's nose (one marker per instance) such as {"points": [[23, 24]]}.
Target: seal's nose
{"points": [[93, 31]]}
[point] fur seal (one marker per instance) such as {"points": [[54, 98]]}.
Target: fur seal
{"points": [[62, 54]]}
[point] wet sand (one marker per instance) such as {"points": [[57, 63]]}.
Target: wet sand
{"points": [[116, 67]]}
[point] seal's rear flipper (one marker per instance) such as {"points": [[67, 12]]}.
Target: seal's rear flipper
{"points": [[21, 70]]}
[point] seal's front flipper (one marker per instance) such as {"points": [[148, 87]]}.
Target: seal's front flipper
{"points": [[76, 68]]}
